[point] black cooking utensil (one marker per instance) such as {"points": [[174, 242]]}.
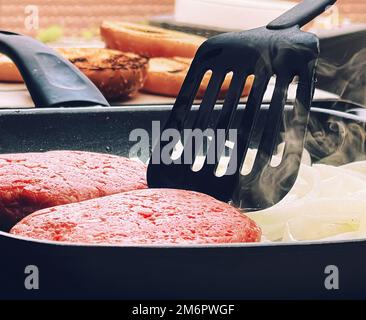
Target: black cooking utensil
{"points": [[52, 81], [279, 49]]}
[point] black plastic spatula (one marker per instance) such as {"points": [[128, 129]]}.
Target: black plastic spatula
{"points": [[280, 49]]}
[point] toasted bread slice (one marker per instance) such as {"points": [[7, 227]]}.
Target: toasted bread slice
{"points": [[149, 41], [8, 71], [116, 74], [165, 77]]}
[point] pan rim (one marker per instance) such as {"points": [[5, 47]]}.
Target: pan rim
{"points": [[164, 107], [242, 245]]}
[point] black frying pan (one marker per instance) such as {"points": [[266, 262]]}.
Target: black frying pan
{"points": [[215, 271], [233, 271]]}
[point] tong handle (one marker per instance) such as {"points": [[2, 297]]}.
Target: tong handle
{"points": [[301, 14], [52, 81]]}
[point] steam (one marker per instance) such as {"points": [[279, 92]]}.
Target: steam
{"points": [[338, 143], [335, 142], [348, 80]]}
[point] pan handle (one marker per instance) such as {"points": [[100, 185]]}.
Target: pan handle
{"points": [[52, 81], [301, 14]]}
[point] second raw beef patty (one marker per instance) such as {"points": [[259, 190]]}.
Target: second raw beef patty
{"points": [[33, 181], [150, 216]]}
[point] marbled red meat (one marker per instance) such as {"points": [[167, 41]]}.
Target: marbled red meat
{"points": [[33, 181], [149, 216]]}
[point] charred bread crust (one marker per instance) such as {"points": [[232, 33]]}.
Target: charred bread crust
{"points": [[116, 74]]}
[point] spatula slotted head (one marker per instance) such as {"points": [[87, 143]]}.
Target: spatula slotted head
{"points": [[264, 53]]}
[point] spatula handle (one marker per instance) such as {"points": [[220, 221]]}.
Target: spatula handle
{"points": [[301, 14], [52, 81]]}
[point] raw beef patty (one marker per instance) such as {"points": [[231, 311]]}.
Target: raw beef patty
{"points": [[149, 216], [33, 181]]}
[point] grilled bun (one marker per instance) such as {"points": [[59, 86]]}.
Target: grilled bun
{"points": [[8, 71], [149, 41], [165, 76], [116, 74]]}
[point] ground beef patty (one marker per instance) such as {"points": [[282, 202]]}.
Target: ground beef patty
{"points": [[33, 181], [150, 216]]}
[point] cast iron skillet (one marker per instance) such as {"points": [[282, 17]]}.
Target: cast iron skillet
{"points": [[152, 272], [233, 271]]}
